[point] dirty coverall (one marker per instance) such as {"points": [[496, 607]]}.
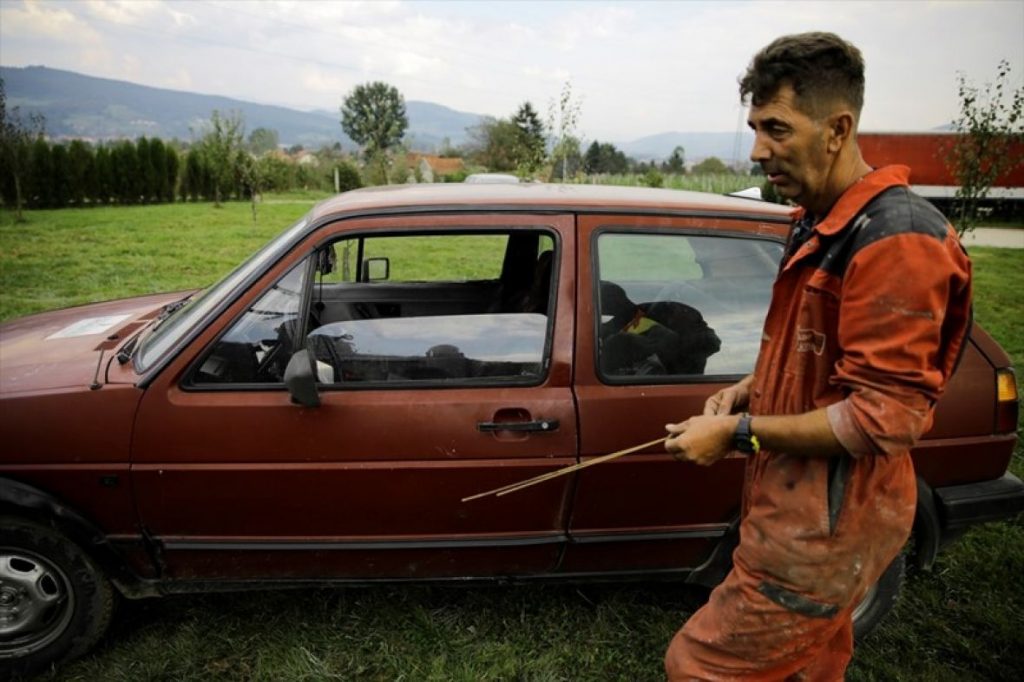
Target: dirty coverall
{"points": [[868, 318]]}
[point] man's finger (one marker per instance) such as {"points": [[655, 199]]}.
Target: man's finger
{"points": [[728, 399]]}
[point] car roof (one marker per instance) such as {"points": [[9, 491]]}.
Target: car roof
{"points": [[429, 197]]}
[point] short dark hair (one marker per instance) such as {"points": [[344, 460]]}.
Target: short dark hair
{"points": [[820, 67]]}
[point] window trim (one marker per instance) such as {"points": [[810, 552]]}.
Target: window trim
{"points": [[595, 288]]}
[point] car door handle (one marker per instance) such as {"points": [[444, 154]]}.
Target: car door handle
{"points": [[536, 425]]}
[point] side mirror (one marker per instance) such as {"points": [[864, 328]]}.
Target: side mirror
{"points": [[376, 269], [301, 380]]}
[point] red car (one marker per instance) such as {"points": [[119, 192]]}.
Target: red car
{"points": [[321, 412]]}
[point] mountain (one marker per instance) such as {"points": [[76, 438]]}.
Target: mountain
{"points": [[697, 146], [76, 105]]}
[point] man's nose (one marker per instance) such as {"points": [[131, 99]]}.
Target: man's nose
{"points": [[760, 151]]}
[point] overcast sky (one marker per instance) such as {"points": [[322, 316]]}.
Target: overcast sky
{"points": [[638, 67]]}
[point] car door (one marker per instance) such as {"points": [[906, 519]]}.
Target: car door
{"points": [[438, 378], [669, 310]]}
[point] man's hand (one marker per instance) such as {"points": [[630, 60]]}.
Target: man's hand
{"points": [[703, 440], [730, 399]]}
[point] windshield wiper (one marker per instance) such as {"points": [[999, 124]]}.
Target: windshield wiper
{"points": [[169, 310], [125, 354]]}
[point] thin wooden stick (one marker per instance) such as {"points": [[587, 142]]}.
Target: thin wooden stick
{"points": [[516, 487]]}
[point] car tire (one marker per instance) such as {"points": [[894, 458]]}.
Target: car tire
{"points": [[880, 598], [55, 604]]}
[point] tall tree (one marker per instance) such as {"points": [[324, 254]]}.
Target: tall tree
{"points": [[992, 129], [262, 140], [171, 164], [81, 171], [220, 147], [373, 115], [145, 171], [104, 176], [39, 174], [158, 167], [60, 180], [493, 143], [125, 164], [676, 163], [15, 149], [531, 145], [563, 118]]}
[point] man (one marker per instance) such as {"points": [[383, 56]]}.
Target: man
{"points": [[869, 314]]}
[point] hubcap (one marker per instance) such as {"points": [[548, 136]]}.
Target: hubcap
{"points": [[36, 602], [865, 603]]}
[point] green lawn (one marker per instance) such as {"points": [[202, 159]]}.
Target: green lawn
{"points": [[962, 621]]}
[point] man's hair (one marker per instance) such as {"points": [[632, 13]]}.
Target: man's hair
{"points": [[822, 69]]}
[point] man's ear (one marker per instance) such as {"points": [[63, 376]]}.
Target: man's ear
{"points": [[840, 130]]}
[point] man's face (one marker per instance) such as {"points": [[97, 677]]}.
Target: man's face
{"points": [[792, 149]]}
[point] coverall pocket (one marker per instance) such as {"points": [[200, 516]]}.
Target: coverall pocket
{"points": [[795, 602], [838, 476]]}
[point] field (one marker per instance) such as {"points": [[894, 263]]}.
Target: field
{"points": [[962, 621]]}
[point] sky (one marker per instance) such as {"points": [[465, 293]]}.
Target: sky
{"points": [[636, 68]]}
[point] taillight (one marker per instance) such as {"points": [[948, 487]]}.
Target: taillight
{"points": [[1006, 401]]}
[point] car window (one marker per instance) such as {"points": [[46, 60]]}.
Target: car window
{"points": [[176, 327], [257, 347], [433, 309], [678, 306]]}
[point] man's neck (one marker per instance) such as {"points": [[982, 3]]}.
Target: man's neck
{"points": [[845, 173]]}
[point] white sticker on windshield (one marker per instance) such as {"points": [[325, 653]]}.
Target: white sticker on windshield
{"points": [[88, 326]]}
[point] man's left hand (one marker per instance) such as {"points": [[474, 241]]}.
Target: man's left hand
{"points": [[703, 439]]}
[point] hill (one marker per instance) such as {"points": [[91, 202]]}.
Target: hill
{"points": [[76, 105], [82, 106]]}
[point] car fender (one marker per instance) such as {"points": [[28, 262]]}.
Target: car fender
{"points": [[20, 499]]}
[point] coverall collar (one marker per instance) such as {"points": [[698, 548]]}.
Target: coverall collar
{"points": [[849, 205]]}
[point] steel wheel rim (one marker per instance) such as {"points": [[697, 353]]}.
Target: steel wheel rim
{"points": [[865, 603], [36, 602]]}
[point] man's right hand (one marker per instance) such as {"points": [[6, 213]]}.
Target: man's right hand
{"points": [[730, 399]]}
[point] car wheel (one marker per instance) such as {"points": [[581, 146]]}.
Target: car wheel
{"points": [[879, 599], [55, 603]]}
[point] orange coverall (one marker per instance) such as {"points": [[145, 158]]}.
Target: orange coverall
{"points": [[868, 318]]}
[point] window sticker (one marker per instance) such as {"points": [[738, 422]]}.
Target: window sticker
{"points": [[88, 327]]}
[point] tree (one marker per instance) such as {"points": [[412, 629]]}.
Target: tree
{"points": [[493, 142], [567, 161], [530, 143], [263, 140], [563, 117], [81, 171], [676, 163], [15, 150], [711, 166], [373, 115], [104, 176], [220, 147], [60, 181], [992, 130], [604, 158], [158, 168], [170, 173], [39, 174]]}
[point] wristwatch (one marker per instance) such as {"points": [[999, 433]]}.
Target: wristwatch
{"points": [[743, 438]]}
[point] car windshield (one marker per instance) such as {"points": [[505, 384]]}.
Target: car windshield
{"points": [[166, 333]]}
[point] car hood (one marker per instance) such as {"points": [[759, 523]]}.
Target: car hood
{"points": [[61, 349]]}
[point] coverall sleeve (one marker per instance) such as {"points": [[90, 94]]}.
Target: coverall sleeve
{"points": [[903, 319]]}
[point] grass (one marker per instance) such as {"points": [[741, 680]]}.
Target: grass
{"points": [[962, 621]]}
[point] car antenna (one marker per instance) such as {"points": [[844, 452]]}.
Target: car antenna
{"points": [[96, 385]]}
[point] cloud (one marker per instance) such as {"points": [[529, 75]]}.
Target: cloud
{"points": [[125, 12], [35, 20]]}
